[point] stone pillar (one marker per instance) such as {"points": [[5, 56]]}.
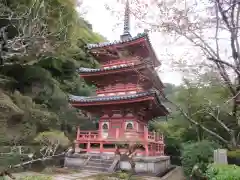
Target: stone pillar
{"points": [[77, 149], [220, 156]]}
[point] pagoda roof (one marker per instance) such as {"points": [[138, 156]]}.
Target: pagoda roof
{"points": [[117, 42], [84, 99], [93, 102], [89, 70], [141, 37]]}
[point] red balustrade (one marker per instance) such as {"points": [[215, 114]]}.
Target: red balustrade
{"points": [[118, 89], [119, 62], [151, 136], [130, 134], [88, 135]]}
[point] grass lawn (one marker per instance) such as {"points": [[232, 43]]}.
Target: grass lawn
{"points": [[118, 175]]}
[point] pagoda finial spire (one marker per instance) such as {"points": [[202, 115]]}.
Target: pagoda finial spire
{"points": [[126, 29]]}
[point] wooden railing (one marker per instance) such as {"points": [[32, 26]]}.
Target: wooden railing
{"points": [[118, 89], [140, 135], [87, 135], [119, 62]]}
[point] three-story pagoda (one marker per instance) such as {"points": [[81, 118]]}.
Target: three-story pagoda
{"points": [[127, 96]]}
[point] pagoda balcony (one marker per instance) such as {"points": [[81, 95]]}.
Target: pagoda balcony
{"points": [[119, 90], [129, 61], [119, 136]]}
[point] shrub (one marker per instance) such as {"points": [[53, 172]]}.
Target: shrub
{"points": [[234, 154], [199, 152], [123, 175], [223, 172], [11, 159], [234, 157]]}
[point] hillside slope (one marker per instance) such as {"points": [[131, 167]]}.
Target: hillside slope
{"points": [[43, 47]]}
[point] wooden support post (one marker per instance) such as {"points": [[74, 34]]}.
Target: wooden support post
{"points": [[157, 148], [117, 133], [100, 130], [146, 149], [154, 149], [150, 149], [78, 133], [88, 146], [101, 147], [145, 133], [163, 152]]}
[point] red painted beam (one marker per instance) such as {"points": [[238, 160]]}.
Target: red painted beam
{"points": [[75, 104]]}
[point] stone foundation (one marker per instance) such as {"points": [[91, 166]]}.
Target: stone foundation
{"points": [[150, 164], [75, 161]]}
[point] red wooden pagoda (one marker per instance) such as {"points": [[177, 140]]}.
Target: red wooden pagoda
{"points": [[127, 96]]}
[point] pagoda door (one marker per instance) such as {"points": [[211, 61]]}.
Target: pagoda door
{"points": [[114, 126], [105, 129]]}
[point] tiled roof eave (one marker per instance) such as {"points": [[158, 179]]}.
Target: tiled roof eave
{"points": [[141, 35], [159, 103], [89, 70], [81, 99], [105, 44]]}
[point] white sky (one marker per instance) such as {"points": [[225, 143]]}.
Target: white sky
{"points": [[105, 24]]}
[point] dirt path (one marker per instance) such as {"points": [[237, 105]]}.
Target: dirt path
{"points": [[175, 175], [74, 176]]}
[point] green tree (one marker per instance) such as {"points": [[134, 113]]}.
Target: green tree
{"points": [[46, 45], [207, 35]]}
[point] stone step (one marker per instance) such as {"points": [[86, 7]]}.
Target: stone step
{"points": [[96, 164], [97, 156], [100, 161], [95, 168]]}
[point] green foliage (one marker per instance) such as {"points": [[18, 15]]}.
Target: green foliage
{"points": [[40, 177], [34, 86], [52, 138], [20, 124], [234, 154], [223, 172], [200, 153], [9, 159], [58, 66], [123, 175]]}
